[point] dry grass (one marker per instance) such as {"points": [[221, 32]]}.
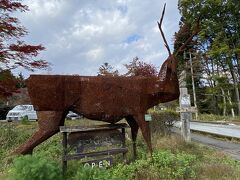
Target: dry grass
{"points": [[216, 165], [213, 171], [214, 118]]}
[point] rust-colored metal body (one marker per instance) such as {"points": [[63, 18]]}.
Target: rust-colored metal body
{"points": [[107, 99]]}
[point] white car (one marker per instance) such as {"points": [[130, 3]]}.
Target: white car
{"points": [[22, 111]]}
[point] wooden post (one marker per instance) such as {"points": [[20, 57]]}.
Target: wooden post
{"points": [[185, 103], [64, 164], [124, 143]]}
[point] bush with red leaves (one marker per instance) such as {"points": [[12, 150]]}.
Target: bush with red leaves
{"points": [[140, 68]]}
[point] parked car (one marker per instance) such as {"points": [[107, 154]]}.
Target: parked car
{"points": [[22, 111], [72, 115]]}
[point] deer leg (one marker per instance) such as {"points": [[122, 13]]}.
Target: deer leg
{"points": [[48, 125], [144, 126], [134, 130]]}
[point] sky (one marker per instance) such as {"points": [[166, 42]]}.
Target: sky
{"points": [[79, 36]]}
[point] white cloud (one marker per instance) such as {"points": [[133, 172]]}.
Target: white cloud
{"points": [[46, 8], [94, 54], [82, 35]]}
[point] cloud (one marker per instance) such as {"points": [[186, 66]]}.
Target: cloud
{"points": [[79, 36]]}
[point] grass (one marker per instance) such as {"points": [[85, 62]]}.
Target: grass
{"points": [[173, 115], [217, 118], [173, 158]]}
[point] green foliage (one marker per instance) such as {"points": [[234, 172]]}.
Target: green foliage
{"points": [[107, 70], [124, 171], [216, 47], [35, 167], [88, 173], [162, 165], [162, 121], [179, 165], [212, 117], [11, 135], [172, 159], [52, 147], [24, 120]]}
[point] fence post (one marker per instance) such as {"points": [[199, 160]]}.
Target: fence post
{"points": [[185, 103]]}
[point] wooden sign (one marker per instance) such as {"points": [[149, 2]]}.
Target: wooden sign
{"points": [[90, 140], [186, 109], [82, 143]]}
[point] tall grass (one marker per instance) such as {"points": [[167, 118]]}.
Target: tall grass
{"points": [[216, 118]]}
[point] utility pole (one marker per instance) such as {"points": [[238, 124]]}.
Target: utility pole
{"points": [[193, 86], [193, 83]]}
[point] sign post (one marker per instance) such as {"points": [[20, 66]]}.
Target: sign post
{"points": [[185, 109], [186, 116], [77, 141]]}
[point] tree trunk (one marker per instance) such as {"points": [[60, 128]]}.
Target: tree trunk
{"points": [[224, 102], [230, 102], [236, 92], [235, 83]]}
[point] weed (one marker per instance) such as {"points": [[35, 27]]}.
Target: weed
{"points": [[36, 167]]}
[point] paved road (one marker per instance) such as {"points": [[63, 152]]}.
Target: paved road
{"points": [[233, 149], [230, 130]]}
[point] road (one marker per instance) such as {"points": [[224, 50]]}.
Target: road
{"points": [[230, 130], [230, 148]]}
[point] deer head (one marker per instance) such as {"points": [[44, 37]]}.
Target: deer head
{"points": [[169, 66], [166, 87]]}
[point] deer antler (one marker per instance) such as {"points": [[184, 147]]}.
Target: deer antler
{"points": [[160, 28], [190, 38]]}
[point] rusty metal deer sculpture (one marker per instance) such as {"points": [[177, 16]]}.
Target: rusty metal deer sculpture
{"points": [[107, 99]]}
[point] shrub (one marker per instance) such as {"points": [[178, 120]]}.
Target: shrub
{"points": [[35, 167], [88, 173], [162, 121], [52, 147], [24, 120], [172, 166], [214, 117], [127, 171], [162, 165]]}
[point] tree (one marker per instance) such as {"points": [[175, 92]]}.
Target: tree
{"points": [[140, 68], [7, 83], [14, 52], [21, 81], [218, 43], [107, 70]]}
